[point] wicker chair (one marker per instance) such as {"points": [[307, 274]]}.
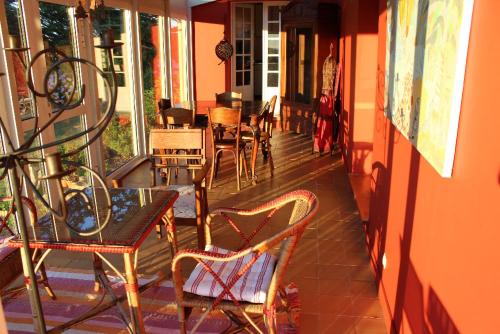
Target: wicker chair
{"points": [[231, 288], [10, 258]]}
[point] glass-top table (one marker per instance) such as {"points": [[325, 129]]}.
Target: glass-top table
{"points": [[134, 214]]}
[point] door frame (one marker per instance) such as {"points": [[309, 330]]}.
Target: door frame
{"points": [[268, 92], [246, 90]]}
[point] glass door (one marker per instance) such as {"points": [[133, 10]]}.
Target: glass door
{"points": [[271, 49], [242, 61]]}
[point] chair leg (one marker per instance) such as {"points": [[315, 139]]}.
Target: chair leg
{"points": [[217, 162], [245, 163], [181, 312], [238, 186], [271, 162], [270, 323], [45, 281], [212, 172], [158, 231]]}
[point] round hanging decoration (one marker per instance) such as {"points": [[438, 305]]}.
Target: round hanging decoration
{"points": [[224, 50]]}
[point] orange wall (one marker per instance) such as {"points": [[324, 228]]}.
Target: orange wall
{"points": [[441, 236], [358, 56], [209, 21]]}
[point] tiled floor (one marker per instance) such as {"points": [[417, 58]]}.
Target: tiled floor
{"points": [[330, 265]]}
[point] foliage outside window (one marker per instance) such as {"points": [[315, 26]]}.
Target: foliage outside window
{"points": [[118, 138], [17, 39], [151, 67]]}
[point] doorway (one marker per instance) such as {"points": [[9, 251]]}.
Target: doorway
{"points": [[256, 31]]}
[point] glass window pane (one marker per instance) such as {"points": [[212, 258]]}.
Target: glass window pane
{"points": [[57, 32], [248, 46], [239, 78], [17, 39], [152, 61], [247, 78], [63, 129], [247, 31], [248, 15], [248, 62], [273, 46], [273, 13], [239, 62], [273, 29], [239, 46], [36, 170], [272, 79], [5, 206], [178, 56], [119, 138], [273, 63]]}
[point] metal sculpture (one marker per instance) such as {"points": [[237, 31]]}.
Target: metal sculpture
{"points": [[61, 90]]}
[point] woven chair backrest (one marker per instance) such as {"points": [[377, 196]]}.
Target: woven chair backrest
{"points": [[305, 208]]}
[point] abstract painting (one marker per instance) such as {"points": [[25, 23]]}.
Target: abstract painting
{"points": [[426, 52]]}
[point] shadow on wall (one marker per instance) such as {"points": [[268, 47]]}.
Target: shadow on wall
{"points": [[436, 319], [360, 152]]}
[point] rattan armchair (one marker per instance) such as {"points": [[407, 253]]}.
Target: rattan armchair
{"points": [[231, 274]]}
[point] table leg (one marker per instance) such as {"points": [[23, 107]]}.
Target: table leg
{"points": [[169, 221], [132, 289], [255, 151]]}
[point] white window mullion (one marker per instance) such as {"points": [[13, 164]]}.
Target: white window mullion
{"points": [[137, 78]]}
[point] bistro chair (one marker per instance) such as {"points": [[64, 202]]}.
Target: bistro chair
{"points": [[223, 117], [177, 117], [10, 257], [249, 279], [263, 133], [163, 104], [228, 97]]}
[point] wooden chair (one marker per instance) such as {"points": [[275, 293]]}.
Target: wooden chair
{"points": [[226, 118], [177, 117], [228, 97], [263, 132], [184, 149], [164, 104], [10, 258], [233, 289]]}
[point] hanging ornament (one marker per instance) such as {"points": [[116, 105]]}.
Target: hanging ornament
{"points": [[224, 50]]}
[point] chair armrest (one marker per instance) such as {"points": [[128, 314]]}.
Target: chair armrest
{"points": [[119, 174]]}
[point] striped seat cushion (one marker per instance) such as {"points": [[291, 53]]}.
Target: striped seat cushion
{"points": [[251, 287], [5, 249], [185, 205]]}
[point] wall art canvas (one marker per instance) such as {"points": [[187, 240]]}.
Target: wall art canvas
{"points": [[427, 42]]}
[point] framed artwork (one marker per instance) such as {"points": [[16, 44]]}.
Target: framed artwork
{"points": [[426, 52]]}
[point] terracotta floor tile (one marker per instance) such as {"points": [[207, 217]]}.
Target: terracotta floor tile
{"points": [[371, 326]]}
